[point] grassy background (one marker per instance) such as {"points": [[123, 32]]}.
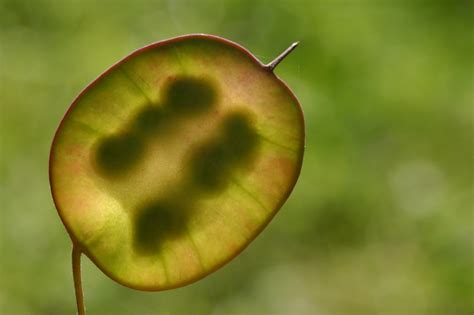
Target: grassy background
{"points": [[381, 220]]}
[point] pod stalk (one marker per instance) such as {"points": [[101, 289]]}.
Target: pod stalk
{"points": [[76, 272], [272, 65]]}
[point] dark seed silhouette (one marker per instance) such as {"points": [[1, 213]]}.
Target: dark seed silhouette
{"points": [[183, 97]]}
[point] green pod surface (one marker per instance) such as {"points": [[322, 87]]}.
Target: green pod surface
{"points": [[172, 161]]}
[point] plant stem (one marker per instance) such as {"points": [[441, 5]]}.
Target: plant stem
{"points": [[282, 56], [76, 272]]}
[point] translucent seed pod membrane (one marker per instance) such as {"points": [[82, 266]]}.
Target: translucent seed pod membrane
{"points": [[171, 162]]}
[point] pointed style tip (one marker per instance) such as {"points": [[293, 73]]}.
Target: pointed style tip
{"points": [[272, 65]]}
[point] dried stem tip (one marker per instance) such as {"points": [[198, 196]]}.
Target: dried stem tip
{"points": [[278, 59]]}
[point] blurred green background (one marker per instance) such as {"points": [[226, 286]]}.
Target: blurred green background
{"points": [[381, 220]]}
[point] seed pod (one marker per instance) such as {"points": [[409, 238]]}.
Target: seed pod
{"points": [[171, 162]]}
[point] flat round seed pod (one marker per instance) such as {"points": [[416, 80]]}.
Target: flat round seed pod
{"points": [[171, 162]]}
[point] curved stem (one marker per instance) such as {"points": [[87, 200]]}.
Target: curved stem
{"points": [[282, 56], [76, 272]]}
